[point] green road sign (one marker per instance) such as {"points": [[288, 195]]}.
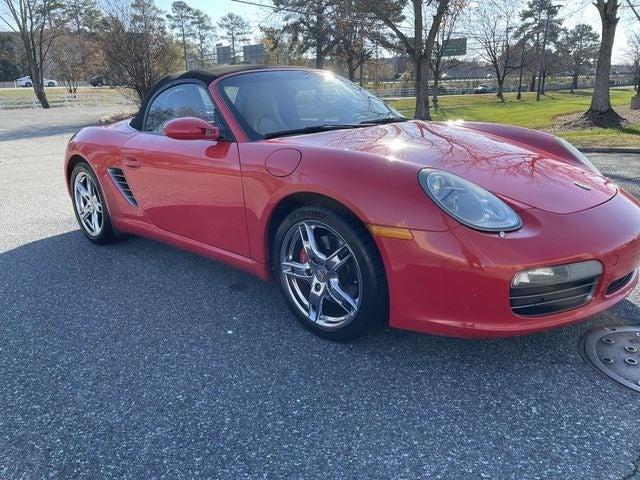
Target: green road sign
{"points": [[454, 47]]}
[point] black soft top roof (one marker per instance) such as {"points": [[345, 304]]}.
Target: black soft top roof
{"points": [[206, 76]]}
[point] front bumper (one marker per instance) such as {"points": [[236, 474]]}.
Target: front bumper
{"points": [[456, 283]]}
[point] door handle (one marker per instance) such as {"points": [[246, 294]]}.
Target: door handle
{"points": [[131, 162]]}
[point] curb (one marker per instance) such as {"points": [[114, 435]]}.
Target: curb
{"points": [[609, 150]]}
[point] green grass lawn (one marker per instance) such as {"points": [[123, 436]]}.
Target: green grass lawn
{"points": [[532, 114], [107, 95]]}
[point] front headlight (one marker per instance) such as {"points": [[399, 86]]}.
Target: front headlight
{"points": [[468, 203], [578, 155]]}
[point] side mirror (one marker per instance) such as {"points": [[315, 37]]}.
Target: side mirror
{"points": [[191, 128]]}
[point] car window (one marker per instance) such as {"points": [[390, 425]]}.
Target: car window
{"points": [[277, 101], [183, 100]]}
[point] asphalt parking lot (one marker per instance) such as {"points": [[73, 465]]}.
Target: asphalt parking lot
{"points": [[137, 360]]}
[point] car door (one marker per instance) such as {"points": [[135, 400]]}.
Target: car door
{"points": [[192, 188]]}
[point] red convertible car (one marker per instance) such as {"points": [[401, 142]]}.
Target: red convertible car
{"points": [[363, 216]]}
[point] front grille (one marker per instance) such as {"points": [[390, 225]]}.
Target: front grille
{"points": [[544, 300], [117, 175], [619, 283]]}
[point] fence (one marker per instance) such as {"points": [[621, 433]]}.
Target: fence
{"points": [[14, 84], [112, 98], [395, 92], [95, 100]]}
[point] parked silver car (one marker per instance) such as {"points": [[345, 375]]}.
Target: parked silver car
{"points": [[26, 82]]}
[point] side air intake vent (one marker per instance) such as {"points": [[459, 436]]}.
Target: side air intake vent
{"points": [[121, 182], [620, 283]]}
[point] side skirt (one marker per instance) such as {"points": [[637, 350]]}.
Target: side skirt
{"points": [[141, 229]]}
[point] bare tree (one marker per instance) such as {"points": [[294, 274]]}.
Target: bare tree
{"points": [[420, 45], [181, 22], [491, 25], [137, 47], [75, 53], [73, 56], [600, 111], [235, 29], [635, 9], [440, 62], [38, 23]]}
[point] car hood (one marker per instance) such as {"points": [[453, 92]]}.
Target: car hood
{"points": [[514, 171]]}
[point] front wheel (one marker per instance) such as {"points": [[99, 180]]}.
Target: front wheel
{"points": [[330, 273], [51, 84], [89, 206]]}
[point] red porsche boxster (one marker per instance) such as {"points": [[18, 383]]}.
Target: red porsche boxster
{"points": [[363, 216]]}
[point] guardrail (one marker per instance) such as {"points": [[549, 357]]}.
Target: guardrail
{"points": [[96, 100]]}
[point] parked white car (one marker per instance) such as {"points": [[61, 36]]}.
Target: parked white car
{"points": [[26, 82]]}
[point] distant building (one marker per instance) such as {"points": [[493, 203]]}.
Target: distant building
{"points": [[223, 54], [253, 53]]}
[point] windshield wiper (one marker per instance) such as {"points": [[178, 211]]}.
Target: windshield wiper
{"points": [[312, 129], [383, 120]]}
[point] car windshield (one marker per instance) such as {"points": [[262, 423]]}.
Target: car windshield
{"points": [[280, 102]]}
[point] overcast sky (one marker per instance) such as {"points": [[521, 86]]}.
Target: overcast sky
{"points": [[575, 11]]}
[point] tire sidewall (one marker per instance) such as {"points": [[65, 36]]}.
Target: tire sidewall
{"points": [[373, 304], [106, 234]]}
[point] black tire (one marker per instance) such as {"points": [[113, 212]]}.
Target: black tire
{"points": [[107, 233], [373, 304], [28, 84], [51, 84]]}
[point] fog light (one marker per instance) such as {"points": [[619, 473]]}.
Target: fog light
{"points": [[560, 274]]}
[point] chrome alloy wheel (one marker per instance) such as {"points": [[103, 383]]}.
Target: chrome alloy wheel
{"points": [[88, 204], [321, 274]]}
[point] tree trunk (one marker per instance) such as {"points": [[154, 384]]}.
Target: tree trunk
{"points": [[39, 91], [423, 52], [422, 89], [500, 95], [436, 85], [532, 85], [184, 50], [544, 83], [600, 110], [233, 49], [36, 77], [351, 68], [361, 79], [38, 88], [319, 38], [574, 82]]}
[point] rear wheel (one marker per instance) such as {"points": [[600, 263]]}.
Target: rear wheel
{"points": [[51, 84], [28, 84], [89, 206], [330, 273]]}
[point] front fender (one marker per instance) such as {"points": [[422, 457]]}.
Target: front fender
{"points": [[375, 189]]}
